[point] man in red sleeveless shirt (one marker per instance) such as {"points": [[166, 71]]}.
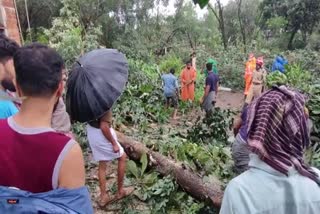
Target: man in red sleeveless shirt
{"points": [[33, 156]]}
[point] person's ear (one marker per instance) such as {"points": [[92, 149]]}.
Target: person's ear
{"points": [[2, 71], [60, 89]]}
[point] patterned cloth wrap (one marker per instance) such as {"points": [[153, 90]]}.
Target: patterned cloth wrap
{"points": [[278, 132]]}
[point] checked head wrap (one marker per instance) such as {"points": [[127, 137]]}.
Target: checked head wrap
{"points": [[278, 132]]}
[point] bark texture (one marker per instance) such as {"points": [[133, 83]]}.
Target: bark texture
{"points": [[188, 180]]}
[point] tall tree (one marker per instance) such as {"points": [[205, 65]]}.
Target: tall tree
{"points": [[220, 17], [242, 28], [301, 15], [70, 35], [41, 13]]}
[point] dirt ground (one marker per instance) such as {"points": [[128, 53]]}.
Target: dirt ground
{"points": [[230, 100], [225, 100]]}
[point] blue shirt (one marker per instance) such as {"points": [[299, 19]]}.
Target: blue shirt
{"points": [[212, 80], [71, 201], [7, 109], [170, 84], [264, 190]]}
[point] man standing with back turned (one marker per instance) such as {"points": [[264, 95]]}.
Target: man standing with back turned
{"points": [[210, 90], [38, 159], [171, 90]]}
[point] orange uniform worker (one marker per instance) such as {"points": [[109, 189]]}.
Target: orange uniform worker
{"points": [[259, 78], [188, 78], [250, 67]]}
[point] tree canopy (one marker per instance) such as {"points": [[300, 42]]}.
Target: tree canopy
{"points": [[144, 24]]}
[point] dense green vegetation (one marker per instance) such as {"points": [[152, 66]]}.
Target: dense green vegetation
{"points": [[155, 41]]}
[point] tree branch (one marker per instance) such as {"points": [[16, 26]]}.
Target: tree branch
{"points": [[214, 12], [190, 40], [242, 28]]}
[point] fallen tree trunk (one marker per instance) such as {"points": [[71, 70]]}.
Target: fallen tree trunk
{"points": [[189, 181]]}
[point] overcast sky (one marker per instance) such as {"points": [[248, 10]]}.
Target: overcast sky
{"points": [[170, 9]]}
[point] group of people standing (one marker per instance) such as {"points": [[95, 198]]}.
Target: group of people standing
{"points": [[255, 82], [41, 163], [46, 166], [41, 158], [188, 79], [268, 152], [255, 85], [271, 134]]}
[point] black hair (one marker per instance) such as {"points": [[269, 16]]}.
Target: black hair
{"points": [[95, 123], [7, 84], [209, 66], [189, 61], [8, 47], [172, 70], [38, 70]]}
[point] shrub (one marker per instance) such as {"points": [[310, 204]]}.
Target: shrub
{"points": [[171, 62]]}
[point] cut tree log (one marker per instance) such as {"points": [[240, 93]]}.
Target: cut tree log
{"points": [[210, 192]]}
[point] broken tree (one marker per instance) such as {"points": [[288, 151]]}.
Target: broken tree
{"points": [[192, 183]]}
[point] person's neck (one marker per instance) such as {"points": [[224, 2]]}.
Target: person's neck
{"points": [[35, 112]]}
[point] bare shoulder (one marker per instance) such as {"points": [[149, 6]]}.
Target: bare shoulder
{"points": [[72, 173]]}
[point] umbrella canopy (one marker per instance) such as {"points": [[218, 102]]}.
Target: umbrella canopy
{"points": [[95, 82]]}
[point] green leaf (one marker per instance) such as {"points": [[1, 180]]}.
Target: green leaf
{"points": [[144, 162], [145, 196], [202, 3], [317, 111], [157, 192], [150, 178], [132, 168]]}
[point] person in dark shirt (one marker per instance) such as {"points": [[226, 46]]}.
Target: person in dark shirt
{"points": [[240, 150], [211, 90]]}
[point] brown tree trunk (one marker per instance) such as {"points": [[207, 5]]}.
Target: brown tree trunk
{"points": [[188, 180], [290, 44], [242, 28], [223, 32], [220, 19]]}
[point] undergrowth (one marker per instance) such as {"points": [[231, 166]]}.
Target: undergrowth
{"points": [[202, 145]]}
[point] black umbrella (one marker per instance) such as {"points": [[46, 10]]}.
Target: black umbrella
{"points": [[95, 82]]}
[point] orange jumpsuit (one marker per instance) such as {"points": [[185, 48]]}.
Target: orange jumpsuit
{"points": [[250, 67], [188, 78]]}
